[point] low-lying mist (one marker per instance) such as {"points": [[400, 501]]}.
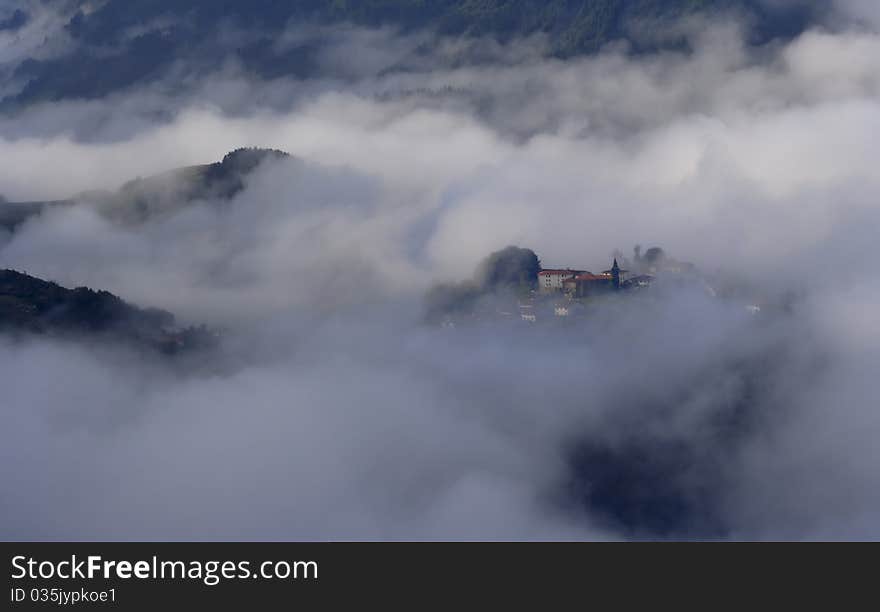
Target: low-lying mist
{"points": [[333, 410]]}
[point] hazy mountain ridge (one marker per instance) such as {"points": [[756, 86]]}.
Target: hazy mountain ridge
{"points": [[142, 198]]}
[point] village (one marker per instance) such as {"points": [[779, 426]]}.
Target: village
{"points": [[565, 292], [531, 293]]}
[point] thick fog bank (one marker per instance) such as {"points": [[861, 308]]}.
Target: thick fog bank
{"points": [[336, 412]]}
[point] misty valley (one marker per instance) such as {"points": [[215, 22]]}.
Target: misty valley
{"points": [[656, 483], [482, 271]]}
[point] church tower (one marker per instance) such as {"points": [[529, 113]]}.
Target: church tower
{"points": [[615, 275]]}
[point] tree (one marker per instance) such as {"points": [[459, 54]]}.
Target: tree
{"points": [[513, 267], [450, 299], [654, 255]]}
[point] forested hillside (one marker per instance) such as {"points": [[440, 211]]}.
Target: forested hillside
{"points": [[30, 305], [123, 42]]}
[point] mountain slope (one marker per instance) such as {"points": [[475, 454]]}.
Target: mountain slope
{"points": [[126, 42], [34, 306], [143, 198]]}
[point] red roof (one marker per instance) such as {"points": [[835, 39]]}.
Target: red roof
{"points": [[587, 276], [549, 272]]}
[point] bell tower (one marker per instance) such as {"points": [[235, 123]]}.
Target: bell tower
{"points": [[615, 275]]}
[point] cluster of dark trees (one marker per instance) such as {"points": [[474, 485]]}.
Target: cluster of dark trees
{"points": [[512, 270], [512, 267]]}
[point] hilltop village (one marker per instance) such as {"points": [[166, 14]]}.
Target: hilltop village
{"points": [[565, 292], [513, 285]]}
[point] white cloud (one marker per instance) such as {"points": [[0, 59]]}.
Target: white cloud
{"points": [[341, 416]]}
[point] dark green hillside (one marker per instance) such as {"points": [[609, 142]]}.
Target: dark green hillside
{"points": [[30, 305], [37, 305]]}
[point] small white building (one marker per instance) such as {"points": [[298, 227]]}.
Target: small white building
{"points": [[527, 313], [551, 280]]}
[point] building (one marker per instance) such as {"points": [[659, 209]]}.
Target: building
{"points": [[587, 284], [641, 281], [551, 280], [527, 313], [617, 275], [583, 284]]}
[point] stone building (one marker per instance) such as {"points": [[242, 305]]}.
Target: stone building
{"points": [[551, 280]]}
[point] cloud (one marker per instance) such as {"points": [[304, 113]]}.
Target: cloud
{"points": [[337, 414], [864, 12], [36, 33]]}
